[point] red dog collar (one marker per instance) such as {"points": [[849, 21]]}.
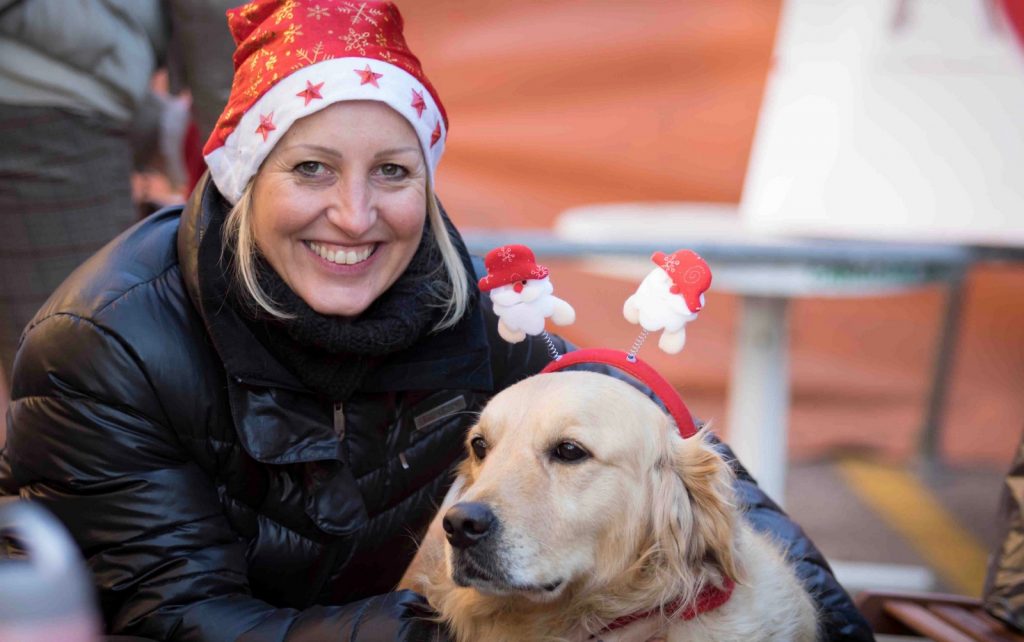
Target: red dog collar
{"points": [[709, 599], [641, 371]]}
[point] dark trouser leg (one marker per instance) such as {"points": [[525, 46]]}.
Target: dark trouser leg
{"points": [[65, 191]]}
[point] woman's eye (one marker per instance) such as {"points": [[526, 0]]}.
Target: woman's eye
{"points": [[390, 170], [310, 168], [479, 447], [569, 452]]}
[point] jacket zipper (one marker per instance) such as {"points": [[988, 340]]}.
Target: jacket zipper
{"points": [[339, 421]]}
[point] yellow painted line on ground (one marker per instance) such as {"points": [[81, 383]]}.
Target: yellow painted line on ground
{"points": [[909, 507]]}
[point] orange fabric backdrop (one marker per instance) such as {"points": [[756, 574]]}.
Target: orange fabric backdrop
{"points": [[558, 103]]}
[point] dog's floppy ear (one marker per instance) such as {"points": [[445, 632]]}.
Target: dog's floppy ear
{"points": [[694, 515]]}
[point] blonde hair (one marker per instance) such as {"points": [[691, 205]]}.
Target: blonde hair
{"points": [[450, 290]]}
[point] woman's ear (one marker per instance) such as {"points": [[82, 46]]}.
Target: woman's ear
{"points": [[706, 480]]}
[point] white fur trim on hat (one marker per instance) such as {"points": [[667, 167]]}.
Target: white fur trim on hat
{"points": [[239, 158]]}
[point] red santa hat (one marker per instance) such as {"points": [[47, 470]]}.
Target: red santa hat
{"points": [[293, 59], [690, 275], [508, 264]]}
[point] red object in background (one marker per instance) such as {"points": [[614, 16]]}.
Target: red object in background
{"points": [[1015, 13], [193, 155]]}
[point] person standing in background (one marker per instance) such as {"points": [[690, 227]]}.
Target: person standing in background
{"points": [[199, 63], [1003, 592], [78, 117], [75, 106]]}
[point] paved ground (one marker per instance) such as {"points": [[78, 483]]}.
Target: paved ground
{"points": [[888, 526]]}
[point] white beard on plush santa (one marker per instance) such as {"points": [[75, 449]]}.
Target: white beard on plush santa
{"points": [[523, 306]]}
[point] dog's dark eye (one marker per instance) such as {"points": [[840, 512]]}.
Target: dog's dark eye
{"points": [[479, 447], [570, 452]]}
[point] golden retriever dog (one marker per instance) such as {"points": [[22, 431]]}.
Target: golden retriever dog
{"points": [[581, 514]]}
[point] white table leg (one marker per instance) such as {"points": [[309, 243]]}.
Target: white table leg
{"points": [[759, 392]]}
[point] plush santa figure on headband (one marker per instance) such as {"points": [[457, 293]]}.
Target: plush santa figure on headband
{"points": [[522, 293], [669, 297]]}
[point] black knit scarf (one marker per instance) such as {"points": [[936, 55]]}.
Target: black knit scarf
{"points": [[330, 354]]}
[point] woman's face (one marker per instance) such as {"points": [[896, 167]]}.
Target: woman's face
{"points": [[339, 205]]}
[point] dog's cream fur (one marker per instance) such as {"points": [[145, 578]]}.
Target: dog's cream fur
{"points": [[646, 518]]}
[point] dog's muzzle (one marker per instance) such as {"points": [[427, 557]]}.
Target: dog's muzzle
{"points": [[471, 529], [474, 533]]}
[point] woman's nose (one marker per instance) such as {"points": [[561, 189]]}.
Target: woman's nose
{"points": [[353, 210]]}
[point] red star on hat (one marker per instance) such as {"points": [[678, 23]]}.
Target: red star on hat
{"points": [[311, 92], [368, 76], [417, 103], [436, 135], [236, 149], [266, 125]]}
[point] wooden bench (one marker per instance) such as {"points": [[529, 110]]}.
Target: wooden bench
{"points": [[941, 617]]}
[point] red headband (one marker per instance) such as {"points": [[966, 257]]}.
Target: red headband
{"points": [[641, 371]]}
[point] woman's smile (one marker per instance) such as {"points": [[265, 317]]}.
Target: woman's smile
{"points": [[342, 255]]}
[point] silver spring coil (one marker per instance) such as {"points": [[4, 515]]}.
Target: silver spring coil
{"points": [[636, 345], [552, 350]]}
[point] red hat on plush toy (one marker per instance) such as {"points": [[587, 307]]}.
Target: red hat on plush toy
{"points": [[690, 275], [508, 264], [293, 59]]}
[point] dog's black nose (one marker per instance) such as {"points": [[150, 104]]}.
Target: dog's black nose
{"points": [[466, 523]]}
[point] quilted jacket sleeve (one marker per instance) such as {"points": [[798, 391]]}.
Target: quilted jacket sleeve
{"points": [[90, 441]]}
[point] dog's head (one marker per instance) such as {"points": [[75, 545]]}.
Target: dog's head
{"points": [[576, 479]]}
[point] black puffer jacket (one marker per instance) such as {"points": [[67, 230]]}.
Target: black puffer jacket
{"points": [[211, 493]]}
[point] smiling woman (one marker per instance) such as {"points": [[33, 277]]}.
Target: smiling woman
{"points": [[247, 409]]}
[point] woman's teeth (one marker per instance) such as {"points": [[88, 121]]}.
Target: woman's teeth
{"points": [[342, 257]]}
